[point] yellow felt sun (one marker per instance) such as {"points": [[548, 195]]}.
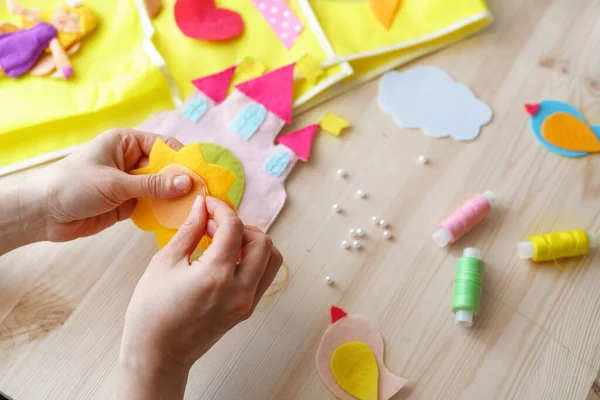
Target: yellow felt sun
{"points": [[163, 217]]}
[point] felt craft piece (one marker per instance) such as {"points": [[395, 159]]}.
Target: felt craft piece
{"points": [[248, 68], [46, 64], [153, 7], [310, 69], [19, 51], [248, 120], [7, 27], [428, 98], [172, 213], [281, 19], [337, 314], [263, 194], [215, 86], [201, 19], [208, 179], [562, 129], [277, 163], [333, 124], [355, 369], [347, 329], [273, 90], [385, 11], [300, 141], [196, 109], [219, 155]]}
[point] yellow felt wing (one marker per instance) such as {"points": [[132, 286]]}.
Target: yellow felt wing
{"points": [[355, 369]]}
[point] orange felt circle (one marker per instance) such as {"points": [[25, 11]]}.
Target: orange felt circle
{"points": [[172, 213]]}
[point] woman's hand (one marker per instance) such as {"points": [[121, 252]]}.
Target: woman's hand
{"points": [[90, 190], [179, 310]]}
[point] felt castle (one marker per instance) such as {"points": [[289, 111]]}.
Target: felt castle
{"points": [[247, 124]]}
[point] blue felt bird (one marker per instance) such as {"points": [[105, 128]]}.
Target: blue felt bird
{"points": [[562, 129]]}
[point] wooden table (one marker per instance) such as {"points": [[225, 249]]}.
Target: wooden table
{"points": [[62, 305]]}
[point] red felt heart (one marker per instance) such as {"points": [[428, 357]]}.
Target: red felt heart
{"points": [[201, 19]]}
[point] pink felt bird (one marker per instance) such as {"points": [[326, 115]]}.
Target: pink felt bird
{"points": [[350, 360]]}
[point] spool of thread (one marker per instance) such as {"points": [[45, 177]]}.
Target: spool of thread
{"points": [[555, 245], [468, 286], [464, 219]]}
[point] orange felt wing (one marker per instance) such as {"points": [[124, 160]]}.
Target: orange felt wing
{"points": [[569, 133], [385, 11]]}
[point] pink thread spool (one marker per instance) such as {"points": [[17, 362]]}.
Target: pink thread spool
{"points": [[463, 219]]}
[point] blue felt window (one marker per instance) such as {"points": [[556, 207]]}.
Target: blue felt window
{"points": [[196, 109], [248, 120], [277, 163]]}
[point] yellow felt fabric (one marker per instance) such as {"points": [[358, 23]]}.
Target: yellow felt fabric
{"points": [[355, 369], [567, 132], [333, 124], [310, 69], [112, 85], [218, 181], [415, 23]]}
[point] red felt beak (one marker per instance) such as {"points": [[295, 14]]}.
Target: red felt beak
{"points": [[337, 314], [532, 109]]}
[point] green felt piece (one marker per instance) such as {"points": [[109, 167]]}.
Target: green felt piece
{"points": [[219, 155]]}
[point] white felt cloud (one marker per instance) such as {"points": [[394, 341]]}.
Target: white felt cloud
{"points": [[428, 98]]}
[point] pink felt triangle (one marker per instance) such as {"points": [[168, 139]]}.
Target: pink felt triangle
{"points": [[215, 86], [272, 90], [300, 142]]}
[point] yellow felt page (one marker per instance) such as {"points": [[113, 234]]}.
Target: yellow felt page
{"points": [[189, 58], [354, 31], [115, 84]]}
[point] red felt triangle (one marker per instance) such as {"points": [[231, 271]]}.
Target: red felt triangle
{"points": [[300, 141], [337, 314], [215, 86], [201, 19], [272, 90]]}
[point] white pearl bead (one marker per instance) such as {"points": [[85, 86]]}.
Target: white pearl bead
{"points": [[345, 244], [328, 280], [356, 244], [352, 232], [336, 208], [360, 233], [383, 223], [422, 160], [361, 193], [387, 234], [375, 219], [341, 173]]}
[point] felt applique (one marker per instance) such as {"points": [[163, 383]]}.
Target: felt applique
{"points": [[281, 19], [215, 86], [196, 109], [277, 163], [19, 51], [264, 193], [562, 129], [276, 96], [247, 69], [385, 11], [248, 120], [333, 124], [428, 98], [201, 19], [300, 141], [219, 155], [345, 360], [45, 65], [163, 217], [153, 7], [310, 69]]}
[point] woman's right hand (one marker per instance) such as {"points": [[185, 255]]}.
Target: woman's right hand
{"points": [[179, 310]]}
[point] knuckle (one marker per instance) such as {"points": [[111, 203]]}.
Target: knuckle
{"points": [[242, 306], [235, 224], [265, 243], [152, 185]]}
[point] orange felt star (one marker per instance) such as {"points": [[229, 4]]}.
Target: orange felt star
{"points": [[163, 217]]}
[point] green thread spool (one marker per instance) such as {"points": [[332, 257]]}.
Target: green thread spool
{"points": [[468, 286]]}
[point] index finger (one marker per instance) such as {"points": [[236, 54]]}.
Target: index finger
{"points": [[227, 240]]}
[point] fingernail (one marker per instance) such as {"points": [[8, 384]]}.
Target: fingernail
{"points": [[193, 215], [182, 183]]}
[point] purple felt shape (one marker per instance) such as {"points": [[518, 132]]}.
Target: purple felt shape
{"points": [[19, 51]]}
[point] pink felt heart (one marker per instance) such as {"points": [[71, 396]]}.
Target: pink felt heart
{"points": [[201, 19]]}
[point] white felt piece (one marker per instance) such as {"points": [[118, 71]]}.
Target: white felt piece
{"points": [[428, 98]]}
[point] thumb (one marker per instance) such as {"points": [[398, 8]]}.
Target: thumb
{"points": [[157, 186], [185, 241]]}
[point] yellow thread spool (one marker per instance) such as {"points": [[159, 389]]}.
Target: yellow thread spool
{"points": [[555, 245]]}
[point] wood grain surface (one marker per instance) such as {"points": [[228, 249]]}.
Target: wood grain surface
{"points": [[538, 337]]}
